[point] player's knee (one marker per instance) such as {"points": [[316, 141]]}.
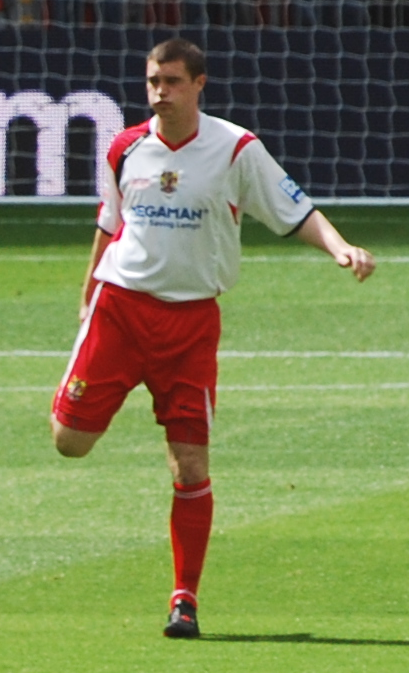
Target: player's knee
{"points": [[72, 443], [188, 463], [68, 448], [188, 455]]}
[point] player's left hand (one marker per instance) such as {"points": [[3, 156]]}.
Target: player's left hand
{"points": [[361, 262]]}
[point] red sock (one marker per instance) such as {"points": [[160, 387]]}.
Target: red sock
{"points": [[190, 524]]}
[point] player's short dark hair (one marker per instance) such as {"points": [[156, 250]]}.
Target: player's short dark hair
{"points": [[178, 49]]}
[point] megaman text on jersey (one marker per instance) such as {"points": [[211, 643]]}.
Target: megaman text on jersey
{"points": [[172, 218]]}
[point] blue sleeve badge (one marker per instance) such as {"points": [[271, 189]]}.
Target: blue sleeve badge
{"points": [[290, 187]]}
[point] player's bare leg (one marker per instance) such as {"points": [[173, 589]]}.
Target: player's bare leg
{"points": [[188, 463], [191, 519], [72, 443]]}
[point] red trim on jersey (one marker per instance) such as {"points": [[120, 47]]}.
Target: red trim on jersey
{"points": [[234, 211], [178, 146], [244, 140], [122, 141], [118, 233], [99, 208]]}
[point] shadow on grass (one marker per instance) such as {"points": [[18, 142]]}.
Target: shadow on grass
{"points": [[299, 638]]}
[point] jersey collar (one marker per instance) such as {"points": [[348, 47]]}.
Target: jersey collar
{"points": [[171, 146]]}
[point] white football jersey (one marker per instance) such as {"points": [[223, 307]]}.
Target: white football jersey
{"points": [[175, 211]]}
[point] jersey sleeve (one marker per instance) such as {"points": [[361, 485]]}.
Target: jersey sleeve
{"points": [[267, 193], [109, 215]]}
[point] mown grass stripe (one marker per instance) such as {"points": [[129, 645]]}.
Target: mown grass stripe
{"points": [[256, 259], [400, 385], [375, 355]]}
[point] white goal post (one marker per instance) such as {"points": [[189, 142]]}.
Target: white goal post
{"points": [[324, 83]]}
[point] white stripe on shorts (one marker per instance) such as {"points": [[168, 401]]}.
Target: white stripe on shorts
{"points": [[82, 333]]}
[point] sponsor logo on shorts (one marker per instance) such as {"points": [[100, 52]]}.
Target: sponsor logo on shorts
{"points": [[294, 191], [76, 388]]}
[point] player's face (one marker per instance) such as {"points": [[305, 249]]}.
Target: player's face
{"points": [[171, 90]]}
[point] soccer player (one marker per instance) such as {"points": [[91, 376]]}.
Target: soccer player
{"points": [[166, 245]]}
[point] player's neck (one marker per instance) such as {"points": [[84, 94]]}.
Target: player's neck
{"points": [[175, 132]]}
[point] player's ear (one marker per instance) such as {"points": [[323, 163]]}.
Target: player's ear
{"points": [[201, 81]]}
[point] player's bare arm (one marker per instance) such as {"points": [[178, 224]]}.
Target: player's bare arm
{"points": [[320, 233], [101, 241]]}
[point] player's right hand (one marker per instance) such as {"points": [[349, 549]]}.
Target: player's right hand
{"points": [[83, 312]]}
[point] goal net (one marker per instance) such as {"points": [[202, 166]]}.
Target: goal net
{"points": [[324, 83]]}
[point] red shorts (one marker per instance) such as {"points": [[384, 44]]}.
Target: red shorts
{"points": [[131, 337]]}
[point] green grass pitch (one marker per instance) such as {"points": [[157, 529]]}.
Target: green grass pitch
{"points": [[307, 569]]}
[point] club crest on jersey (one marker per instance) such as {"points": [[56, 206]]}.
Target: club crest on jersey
{"points": [[169, 182], [76, 388]]}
